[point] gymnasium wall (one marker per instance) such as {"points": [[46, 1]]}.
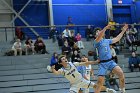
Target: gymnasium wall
{"points": [[86, 12], [36, 13], [138, 11], [83, 12], [126, 12]]}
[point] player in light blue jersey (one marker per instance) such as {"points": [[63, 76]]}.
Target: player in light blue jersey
{"points": [[105, 57]]}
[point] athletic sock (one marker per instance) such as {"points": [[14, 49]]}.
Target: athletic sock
{"points": [[123, 90], [107, 89]]}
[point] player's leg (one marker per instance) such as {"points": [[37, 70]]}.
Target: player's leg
{"points": [[99, 85], [101, 73], [74, 88], [118, 71], [103, 88], [89, 84]]}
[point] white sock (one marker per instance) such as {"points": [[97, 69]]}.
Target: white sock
{"points": [[107, 89], [123, 89]]}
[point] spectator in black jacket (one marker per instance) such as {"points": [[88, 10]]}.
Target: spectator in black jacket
{"points": [[75, 57], [66, 50], [89, 32]]}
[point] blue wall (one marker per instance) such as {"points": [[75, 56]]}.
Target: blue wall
{"points": [[83, 12], [138, 11], [126, 12], [35, 14]]}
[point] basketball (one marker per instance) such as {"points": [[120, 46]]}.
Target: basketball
{"points": [[49, 68]]}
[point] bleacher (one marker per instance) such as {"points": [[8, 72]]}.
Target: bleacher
{"points": [[28, 74]]}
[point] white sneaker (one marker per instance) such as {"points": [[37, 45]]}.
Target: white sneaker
{"points": [[111, 91], [122, 91]]}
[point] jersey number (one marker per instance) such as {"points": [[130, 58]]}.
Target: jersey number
{"points": [[73, 75], [106, 49]]}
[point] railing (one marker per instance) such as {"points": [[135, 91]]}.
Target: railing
{"points": [[8, 33]]}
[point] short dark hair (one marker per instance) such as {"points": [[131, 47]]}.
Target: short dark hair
{"points": [[59, 58], [84, 56]]}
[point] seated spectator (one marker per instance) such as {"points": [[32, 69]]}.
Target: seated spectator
{"points": [[40, 45], [131, 40], [19, 33], [29, 46], [54, 33], [72, 39], [134, 62], [113, 52], [54, 62], [75, 57], [111, 81], [89, 32], [61, 40], [79, 41], [66, 50], [67, 33], [133, 30], [17, 47], [75, 47]]}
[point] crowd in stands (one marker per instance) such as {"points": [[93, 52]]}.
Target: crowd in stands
{"points": [[29, 47]]}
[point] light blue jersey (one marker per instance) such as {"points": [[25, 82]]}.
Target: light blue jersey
{"points": [[103, 48], [82, 70]]}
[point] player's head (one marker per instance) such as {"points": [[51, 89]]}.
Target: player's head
{"points": [[84, 58], [62, 59], [55, 54], [98, 31], [133, 53]]}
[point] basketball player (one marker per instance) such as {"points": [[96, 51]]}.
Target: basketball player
{"points": [[71, 73], [106, 62], [86, 72]]}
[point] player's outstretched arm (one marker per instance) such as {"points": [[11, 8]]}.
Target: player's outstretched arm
{"points": [[101, 34], [88, 63], [116, 39]]}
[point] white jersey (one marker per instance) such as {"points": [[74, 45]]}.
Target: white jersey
{"points": [[88, 69], [71, 73]]}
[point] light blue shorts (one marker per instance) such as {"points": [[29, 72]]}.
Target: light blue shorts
{"points": [[104, 67]]}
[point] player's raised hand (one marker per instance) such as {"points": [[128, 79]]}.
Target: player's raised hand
{"points": [[108, 26], [125, 27]]}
